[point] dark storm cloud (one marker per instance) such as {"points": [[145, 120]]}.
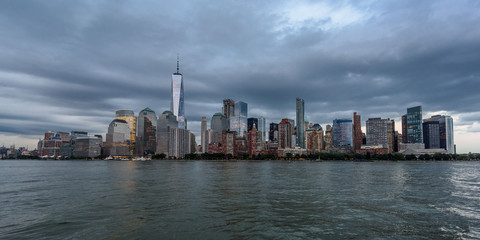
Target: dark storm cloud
{"points": [[87, 59]]}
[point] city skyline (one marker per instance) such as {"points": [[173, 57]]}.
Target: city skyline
{"points": [[87, 67]]}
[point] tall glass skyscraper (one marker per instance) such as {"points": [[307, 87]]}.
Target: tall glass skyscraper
{"points": [[262, 123], [300, 123], [342, 133], [177, 102], [239, 122], [414, 125]]}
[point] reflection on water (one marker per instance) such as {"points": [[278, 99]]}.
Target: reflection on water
{"points": [[225, 200]]}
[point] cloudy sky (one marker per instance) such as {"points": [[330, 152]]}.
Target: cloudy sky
{"points": [[69, 65]]}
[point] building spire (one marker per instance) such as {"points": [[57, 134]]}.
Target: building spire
{"points": [[178, 64]]}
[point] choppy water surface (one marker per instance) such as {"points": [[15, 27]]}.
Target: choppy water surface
{"points": [[239, 200]]}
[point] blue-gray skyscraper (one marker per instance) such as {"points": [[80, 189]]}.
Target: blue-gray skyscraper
{"points": [[414, 125], [300, 123], [446, 132], [342, 133], [239, 122], [177, 102], [262, 123]]}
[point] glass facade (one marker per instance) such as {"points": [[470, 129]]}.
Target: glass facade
{"points": [[129, 117], [262, 123], [251, 122], [177, 101], [446, 132], [147, 129], [300, 110], [239, 122], [431, 134], [342, 132], [414, 125]]}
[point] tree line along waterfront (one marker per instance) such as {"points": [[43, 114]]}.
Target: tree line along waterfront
{"points": [[311, 157]]}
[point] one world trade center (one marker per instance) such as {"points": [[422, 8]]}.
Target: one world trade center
{"points": [[177, 103]]}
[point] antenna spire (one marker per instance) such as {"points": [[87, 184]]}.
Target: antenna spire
{"points": [[178, 64]]}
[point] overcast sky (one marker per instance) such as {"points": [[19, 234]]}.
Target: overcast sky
{"points": [[69, 65]]}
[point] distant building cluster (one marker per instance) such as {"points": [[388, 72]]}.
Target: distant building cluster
{"points": [[232, 132]]}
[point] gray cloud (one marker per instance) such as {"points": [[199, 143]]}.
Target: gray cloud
{"points": [[87, 59]]}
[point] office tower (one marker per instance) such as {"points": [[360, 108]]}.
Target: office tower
{"points": [[229, 143], [251, 122], [88, 147], [381, 132], [49, 146], [414, 125], [165, 122], [328, 137], [228, 110], [239, 122], [285, 133], [118, 138], [179, 142], [446, 132], [129, 117], [273, 132], [147, 130], [300, 116], [177, 101], [252, 140], [342, 133], [218, 124], [431, 134], [262, 128], [357, 132], [203, 134], [315, 141], [404, 129], [193, 143]]}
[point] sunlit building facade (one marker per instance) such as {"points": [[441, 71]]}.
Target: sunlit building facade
{"points": [[129, 117]]}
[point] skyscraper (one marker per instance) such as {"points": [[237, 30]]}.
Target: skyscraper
{"points": [[414, 125], [218, 124], [445, 132], [203, 134], [273, 133], [342, 133], [165, 122], [129, 117], [328, 137], [431, 134], [285, 133], [357, 132], [147, 129], [251, 122], [404, 129], [177, 102], [381, 132], [262, 128], [117, 138], [300, 113], [239, 122], [228, 109]]}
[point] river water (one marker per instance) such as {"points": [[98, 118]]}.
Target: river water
{"points": [[239, 200]]}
